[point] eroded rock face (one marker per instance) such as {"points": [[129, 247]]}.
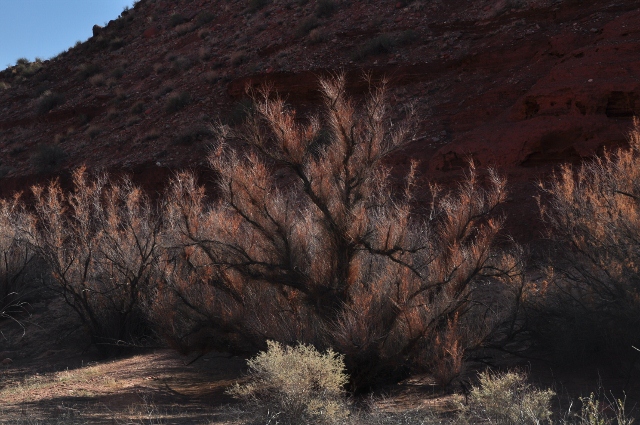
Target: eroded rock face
{"points": [[521, 86]]}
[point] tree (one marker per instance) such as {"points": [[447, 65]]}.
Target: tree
{"points": [[309, 242]]}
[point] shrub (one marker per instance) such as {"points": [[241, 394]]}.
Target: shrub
{"points": [[292, 385], [238, 58], [591, 299], [383, 43], [100, 242], [98, 80], [204, 18], [138, 108], [117, 43], [306, 26], [326, 8], [181, 63], [94, 131], [506, 399], [185, 28], [176, 19], [25, 68], [177, 101], [48, 101], [255, 5], [192, 134], [317, 36], [606, 411], [308, 243], [48, 158], [88, 70], [16, 258]]}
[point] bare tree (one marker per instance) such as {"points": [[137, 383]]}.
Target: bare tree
{"points": [[310, 242]]}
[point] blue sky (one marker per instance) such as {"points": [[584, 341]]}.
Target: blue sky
{"points": [[44, 28]]}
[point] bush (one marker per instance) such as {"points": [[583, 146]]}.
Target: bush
{"points": [[16, 258], [307, 26], [100, 242], [605, 411], [255, 5], [383, 43], [293, 385], [177, 101], [192, 134], [48, 101], [88, 70], [48, 158], [24, 68], [326, 8], [308, 243], [506, 399], [591, 299], [176, 19]]}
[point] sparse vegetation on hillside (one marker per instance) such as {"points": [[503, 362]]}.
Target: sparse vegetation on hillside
{"points": [[48, 101]]}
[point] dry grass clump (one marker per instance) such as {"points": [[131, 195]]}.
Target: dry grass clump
{"points": [[590, 301], [293, 385], [506, 399]]}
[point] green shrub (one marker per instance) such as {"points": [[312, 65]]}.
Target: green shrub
{"points": [[506, 399], [294, 385], [177, 101]]}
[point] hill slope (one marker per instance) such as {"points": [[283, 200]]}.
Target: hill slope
{"points": [[520, 85]]}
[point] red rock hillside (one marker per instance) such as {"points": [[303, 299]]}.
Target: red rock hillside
{"points": [[522, 85]]}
